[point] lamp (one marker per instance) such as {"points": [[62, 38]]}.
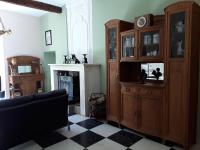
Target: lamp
{"points": [[3, 31]]}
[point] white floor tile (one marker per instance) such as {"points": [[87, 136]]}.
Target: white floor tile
{"points": [[105, 130], [65, 145], [74, 130], [31, 145], [106, 144], [77, 118], [146, 144]]}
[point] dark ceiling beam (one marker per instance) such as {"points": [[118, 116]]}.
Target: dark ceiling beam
{"points": [[36, 5]]}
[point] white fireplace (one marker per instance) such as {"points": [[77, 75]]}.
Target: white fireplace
{"points": [[89, 76]]}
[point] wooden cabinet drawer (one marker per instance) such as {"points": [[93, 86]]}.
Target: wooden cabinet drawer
{"points": [[129, 89], [147, 92]]}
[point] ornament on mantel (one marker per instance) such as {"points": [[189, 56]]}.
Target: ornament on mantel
{"points": [[84, 59]]}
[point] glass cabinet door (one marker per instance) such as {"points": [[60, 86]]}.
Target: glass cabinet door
{"points": [[150, 43], [112, 43], [128, 45], [177, 35]]}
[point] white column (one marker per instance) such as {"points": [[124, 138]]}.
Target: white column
{"points": [[79, 25]]}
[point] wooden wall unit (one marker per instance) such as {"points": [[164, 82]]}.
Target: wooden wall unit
{"points": [[167, 108], [113, 53], [182, 71], [25, 76]]}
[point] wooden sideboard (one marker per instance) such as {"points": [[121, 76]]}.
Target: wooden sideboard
{"points": [[25, 76], [142, 107], [165, 108]]}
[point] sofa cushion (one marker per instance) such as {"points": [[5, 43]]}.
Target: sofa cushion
{"points": [[46, 110], [15, 101], [50, 94]]}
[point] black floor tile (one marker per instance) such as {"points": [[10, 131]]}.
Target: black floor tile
{"points": [[89, 123], [70, 123], [49, 139], [87, 138], [125, 138]]}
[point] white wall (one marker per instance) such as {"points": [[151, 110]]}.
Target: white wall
{"points": [[25, 38]]}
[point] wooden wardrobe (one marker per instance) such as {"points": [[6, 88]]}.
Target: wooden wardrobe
{"points": [[113, 53]]}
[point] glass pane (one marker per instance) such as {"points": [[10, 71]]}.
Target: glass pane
{"points": [[128, 44], [150, 43], [153, 69], [177, 34], [112, 34], [24, 69]]}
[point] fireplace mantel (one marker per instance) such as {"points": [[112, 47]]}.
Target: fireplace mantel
{"points": [[89, 75]]}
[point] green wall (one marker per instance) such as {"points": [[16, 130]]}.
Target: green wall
{"points": [[57, 23], [104, 10], [49, 58]]}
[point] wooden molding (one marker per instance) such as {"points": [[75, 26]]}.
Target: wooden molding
{"points": [[36, 5]]}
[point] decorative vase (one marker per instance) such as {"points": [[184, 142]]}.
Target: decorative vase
{"points": [[85, 59]]}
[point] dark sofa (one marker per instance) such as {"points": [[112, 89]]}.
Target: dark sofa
{"points": [[27, 117]]}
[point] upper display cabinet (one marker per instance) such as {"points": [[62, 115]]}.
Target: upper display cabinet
{"points": [[113, 41], [129, 47], [150, 45], [177, 35], [145, 41], [112, 46]]}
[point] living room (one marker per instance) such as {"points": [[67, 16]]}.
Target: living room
{"points": [[64, 43]]}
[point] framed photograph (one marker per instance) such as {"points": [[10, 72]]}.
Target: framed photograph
{"points": [[48, 37]]}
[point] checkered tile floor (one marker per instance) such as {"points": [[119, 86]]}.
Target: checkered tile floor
{"points": [[90, 134]]}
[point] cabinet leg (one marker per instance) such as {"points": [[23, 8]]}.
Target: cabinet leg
{"points": [[163, 141], [68, 126], [186, 147]]}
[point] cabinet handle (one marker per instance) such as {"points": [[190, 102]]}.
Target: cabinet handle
{"points": [[128, 89], [139, 119], [139, 46], [117, 75], [135, 118], [150, 92]]}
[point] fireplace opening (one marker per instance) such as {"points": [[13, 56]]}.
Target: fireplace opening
{"points": [[69, 80]]}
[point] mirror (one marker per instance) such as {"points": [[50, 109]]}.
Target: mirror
{"points": [[24, 69], [151, 69]]}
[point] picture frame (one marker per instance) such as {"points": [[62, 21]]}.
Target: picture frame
{"points": [[48, 37]]}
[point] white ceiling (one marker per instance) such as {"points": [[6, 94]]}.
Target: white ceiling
{"points": [[30, 11]]}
